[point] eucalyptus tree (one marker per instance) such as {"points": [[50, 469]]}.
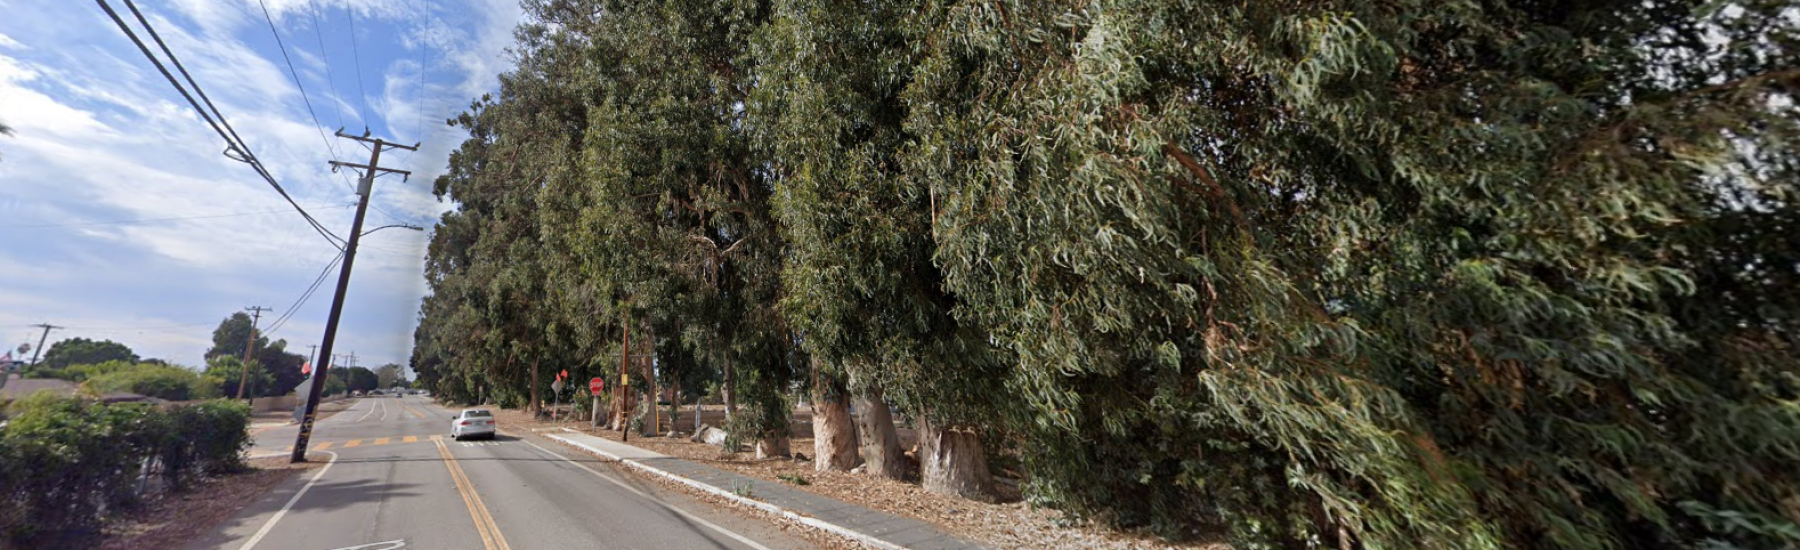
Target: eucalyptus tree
{"points": [[676, 209], [1389, 275], [861, 284]]}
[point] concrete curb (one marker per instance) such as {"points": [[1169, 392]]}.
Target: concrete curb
{"points": [[809, 521]]}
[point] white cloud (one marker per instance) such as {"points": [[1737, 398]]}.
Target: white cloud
{"points": [[102, 137]]}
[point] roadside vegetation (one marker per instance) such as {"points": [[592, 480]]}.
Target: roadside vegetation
{"points": [[72, 463], [1336, 274]]}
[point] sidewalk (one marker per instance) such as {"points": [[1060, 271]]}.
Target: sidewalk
{"points": [[870, 527]]}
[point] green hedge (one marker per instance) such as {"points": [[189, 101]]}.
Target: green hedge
{"points": [[69, 462]]}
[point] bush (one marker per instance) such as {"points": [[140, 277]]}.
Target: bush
{"points": [[69, 461], [159, 381]]}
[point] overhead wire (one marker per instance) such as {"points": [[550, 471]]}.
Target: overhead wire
{"points": [[303, 95], [222, 127], [356, 56], [304, 296], [151, 220]]}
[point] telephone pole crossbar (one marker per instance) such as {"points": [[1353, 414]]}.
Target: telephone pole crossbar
{"points": [[364, 189], [40, 347]]}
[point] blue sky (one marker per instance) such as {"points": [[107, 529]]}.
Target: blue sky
{"points": [[105, 152]]}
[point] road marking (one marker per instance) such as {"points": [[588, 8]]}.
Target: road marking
{"points": [[264, 531], [353, 443], [410, 439], [321, 446], [491, 538], [479, 443], [384, 410], [665, 505], [365, 416], [396, 544], [381, 441]]}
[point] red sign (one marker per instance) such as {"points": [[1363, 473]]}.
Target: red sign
{"points": [[596, 385], [305, 368], [565, 374]]}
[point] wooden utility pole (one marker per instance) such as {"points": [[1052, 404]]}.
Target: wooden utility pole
{"points": [[364, 188], [41, 339], [249, 347], [625, 384]]}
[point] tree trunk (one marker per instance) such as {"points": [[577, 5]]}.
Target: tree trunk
{"points": [[536, 406], [730, 394], [834, 434], [952, 462], [774, 446], [879, 444]]}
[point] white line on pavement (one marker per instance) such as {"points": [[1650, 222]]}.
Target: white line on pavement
{"points": [[671, 508], [365, 416], [264, 531]]}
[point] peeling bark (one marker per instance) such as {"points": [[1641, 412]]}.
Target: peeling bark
{"points": [[952, 462], [834, 434], [879, 445]]}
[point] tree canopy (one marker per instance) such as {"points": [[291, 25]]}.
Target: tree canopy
{"points": [[82, 351], [1317, 274]]}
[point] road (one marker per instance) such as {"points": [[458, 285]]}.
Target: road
{"points": [[393, 486]]}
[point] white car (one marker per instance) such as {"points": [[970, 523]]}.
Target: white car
{"points": [[472, 422]]}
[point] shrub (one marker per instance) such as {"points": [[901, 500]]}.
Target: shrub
{"points": [[160, 381], [70, 461]]}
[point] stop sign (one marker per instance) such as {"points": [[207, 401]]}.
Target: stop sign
{"points": [[596, 385]]}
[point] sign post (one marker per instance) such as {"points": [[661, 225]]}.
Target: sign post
{"points": [[555, 396], [596, 386]]}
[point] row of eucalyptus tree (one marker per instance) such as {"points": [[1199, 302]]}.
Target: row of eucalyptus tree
{"points": [[1344, 273]]}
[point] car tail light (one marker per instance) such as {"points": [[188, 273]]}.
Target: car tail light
{"points": [[465, 423]]}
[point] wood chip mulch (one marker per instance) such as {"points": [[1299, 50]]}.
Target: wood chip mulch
{"points": [[170, 521], [1008, 524]]}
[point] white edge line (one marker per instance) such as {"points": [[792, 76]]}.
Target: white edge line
{"points": [[269, 525], [670, 507], [808, 521], [365, 416]]}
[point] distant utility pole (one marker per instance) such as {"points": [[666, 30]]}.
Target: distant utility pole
{"points": [[249, 347], [364, 188], [40, 348]]}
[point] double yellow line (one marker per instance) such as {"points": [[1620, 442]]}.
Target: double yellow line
{"points": [[484, 522]]}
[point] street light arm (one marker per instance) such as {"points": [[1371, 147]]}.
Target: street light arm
{"points": [[400, 225]]}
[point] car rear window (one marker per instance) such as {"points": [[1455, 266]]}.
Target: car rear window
{"points": [[472, 414]]}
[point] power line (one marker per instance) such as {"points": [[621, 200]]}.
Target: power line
{"points": [[304, 296], [148, 220], [232, 141], [363, 93], [329, 148], [319, 33]]}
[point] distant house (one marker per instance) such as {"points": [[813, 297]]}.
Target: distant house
{"points": [[16, 388]]}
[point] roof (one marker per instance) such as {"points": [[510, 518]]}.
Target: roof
{"points": [[21, 387]]}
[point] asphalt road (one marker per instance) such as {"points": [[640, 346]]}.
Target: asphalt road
{"points": [[393, 486]]}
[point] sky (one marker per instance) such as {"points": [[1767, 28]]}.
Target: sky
{"points": [[121, 219]]}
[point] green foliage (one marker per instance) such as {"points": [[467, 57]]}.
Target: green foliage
{"points": [[283, 367], [1318, 274], [70, 461], [161, 381], [82, 351], [226, 373]]}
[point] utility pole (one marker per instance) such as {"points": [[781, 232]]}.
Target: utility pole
{"points": [[364, 188], [40, 348], [249, 347]]}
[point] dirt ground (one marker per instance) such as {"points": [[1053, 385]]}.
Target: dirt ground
{"points": [[1007, 524], [171, 520]]}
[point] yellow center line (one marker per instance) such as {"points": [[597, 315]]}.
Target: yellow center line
{"points": [[353, 443], [381, 441], [322, 446], [484, 521], [410, 439]]}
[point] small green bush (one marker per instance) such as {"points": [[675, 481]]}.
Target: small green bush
{"points": [[69, 462]]}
